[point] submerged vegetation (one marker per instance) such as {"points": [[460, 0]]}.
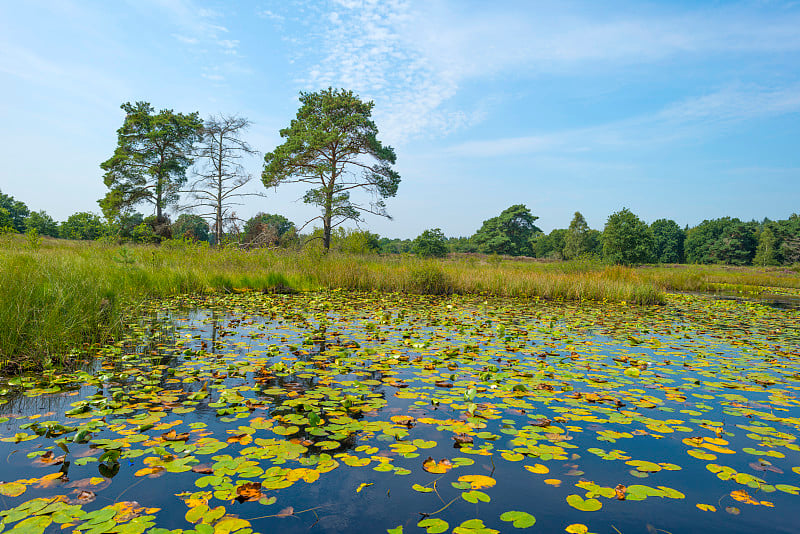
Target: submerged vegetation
{"points": [[346, 411]]}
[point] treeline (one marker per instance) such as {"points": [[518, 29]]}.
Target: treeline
{"points": [[625, 239]]}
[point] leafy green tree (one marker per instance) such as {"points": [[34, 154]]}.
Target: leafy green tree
{"points": [[16, 211], [509, 233], [725, 240], [82, 225], [150, 161], [461, 244], [701, 238], [627, 240], [332, 145], [766, 253], [578, 240], [787, 239], [736, 245], [190, 226], [42, 223], [668, 239], [125, 223], [595, 239], [394, 246], [550, 245], [143, 233], [430, 243], [6, 222]]}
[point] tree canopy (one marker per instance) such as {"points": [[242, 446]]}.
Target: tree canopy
{"points": [[82, 225], [668, 240], [42, 223], [509, 233], [150, 161], [627, 240], [332, 145], [578, 240], [190, 226], [430, 243], [725, 240], [15, 212]]}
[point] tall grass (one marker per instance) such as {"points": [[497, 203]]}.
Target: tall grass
{"points": [[60, 294]]}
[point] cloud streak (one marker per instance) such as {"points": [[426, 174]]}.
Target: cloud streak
{"points": [[691, 119], [415, 59]]}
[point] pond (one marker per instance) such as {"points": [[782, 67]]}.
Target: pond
{"points": [[339, 411]]}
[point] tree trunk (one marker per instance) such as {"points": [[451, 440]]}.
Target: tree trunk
{"points": [[326, 221], [219, 191]]}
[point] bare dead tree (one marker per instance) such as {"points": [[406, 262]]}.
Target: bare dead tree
{"points": [[219, 173]]}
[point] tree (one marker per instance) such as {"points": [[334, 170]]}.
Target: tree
{"points": [[42, 223], [723, 240], [627, 240], [150, 161], [701, 238], [550, 245], [790, 239], [82, 225], [668, 240], [736, 245], [508, 233], [267, 229], [190, 226], [332, 145], [577, 242], [221, 175], [430, 243], [766, 250], [16, 211], [6, 222]]}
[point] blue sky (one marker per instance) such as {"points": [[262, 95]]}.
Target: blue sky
{"points": [[681, 110]]}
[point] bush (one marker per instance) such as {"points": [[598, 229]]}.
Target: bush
{"points": [[429, 279]]}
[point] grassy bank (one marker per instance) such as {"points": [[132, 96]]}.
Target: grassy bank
{"points": [[60, 294]]}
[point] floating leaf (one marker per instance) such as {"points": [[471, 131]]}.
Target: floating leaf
{"points": [[432, 466], [433, 525], [584, 505], [518, 519], [475, 496], [12, 489], [478, 481]]}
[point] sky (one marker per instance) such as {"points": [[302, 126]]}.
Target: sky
{"points": [[680, 110]]}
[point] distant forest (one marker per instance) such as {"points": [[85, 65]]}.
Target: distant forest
{"points": [[625, 239]]}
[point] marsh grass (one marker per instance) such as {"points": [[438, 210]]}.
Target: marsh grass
{"points": [[61, 295]]}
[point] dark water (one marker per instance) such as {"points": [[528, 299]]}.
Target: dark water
{"points": [[709, 368]]}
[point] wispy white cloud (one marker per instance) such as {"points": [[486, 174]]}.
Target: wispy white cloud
{"points": [[186, 40], [414, 58], [197, 24], [271, 15], [366, 50], [691, 119]]}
